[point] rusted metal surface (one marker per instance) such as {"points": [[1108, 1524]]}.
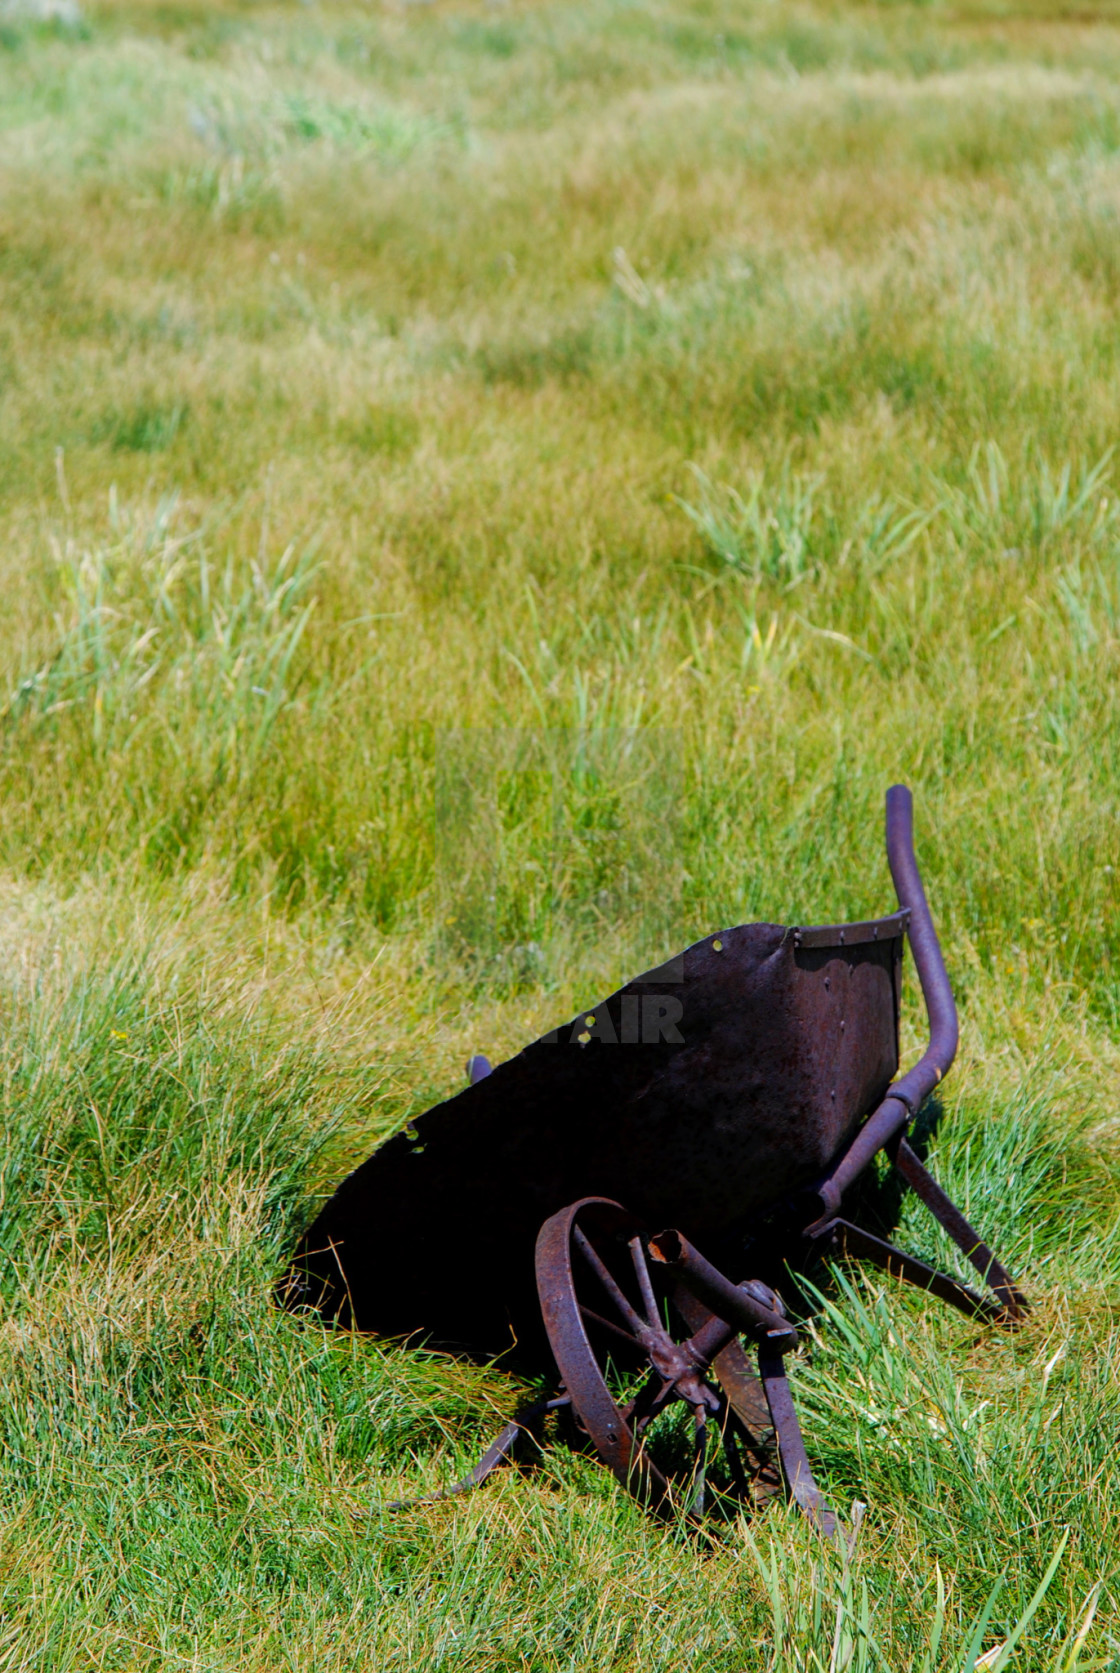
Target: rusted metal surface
{"points": [[606, 1309], [750, 1307], [906, 1094], [699, 1094], [761, 1474], [732, 1095], [842, 1238], [520, 1437], [791, 1445], [567, 1321], [1012, 1302], [937, 992]]}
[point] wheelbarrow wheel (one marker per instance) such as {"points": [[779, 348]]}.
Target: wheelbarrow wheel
{"points": [[619, 1333]]}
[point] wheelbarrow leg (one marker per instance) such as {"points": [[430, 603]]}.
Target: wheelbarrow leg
{"points": [[1013, 1303], [521, 1436], [841, 1237], [791, 1445]]}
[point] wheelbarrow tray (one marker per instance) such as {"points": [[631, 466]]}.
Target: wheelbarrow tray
{"points": [[701, 1094]]}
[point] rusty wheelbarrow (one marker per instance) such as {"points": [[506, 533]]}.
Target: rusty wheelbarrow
{"points": [[733, 1095]]}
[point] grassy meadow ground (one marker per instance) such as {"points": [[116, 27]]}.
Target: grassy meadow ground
{"points": [[489, 493]]}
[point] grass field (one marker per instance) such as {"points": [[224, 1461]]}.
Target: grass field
{"points": [[676, 422]]}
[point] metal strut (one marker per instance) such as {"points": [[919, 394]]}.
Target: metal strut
{"points": [[519, 1435], [1013, 1303]]}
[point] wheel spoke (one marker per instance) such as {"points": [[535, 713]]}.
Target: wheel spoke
{"points": [[637, 1325], [641, 1272], [606, 1324]]}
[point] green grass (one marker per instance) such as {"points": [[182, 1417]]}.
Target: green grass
{"points": [[488, 494]]}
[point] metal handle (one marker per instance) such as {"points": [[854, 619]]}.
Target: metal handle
{"points": [[904, 1096], [936, 991]]}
